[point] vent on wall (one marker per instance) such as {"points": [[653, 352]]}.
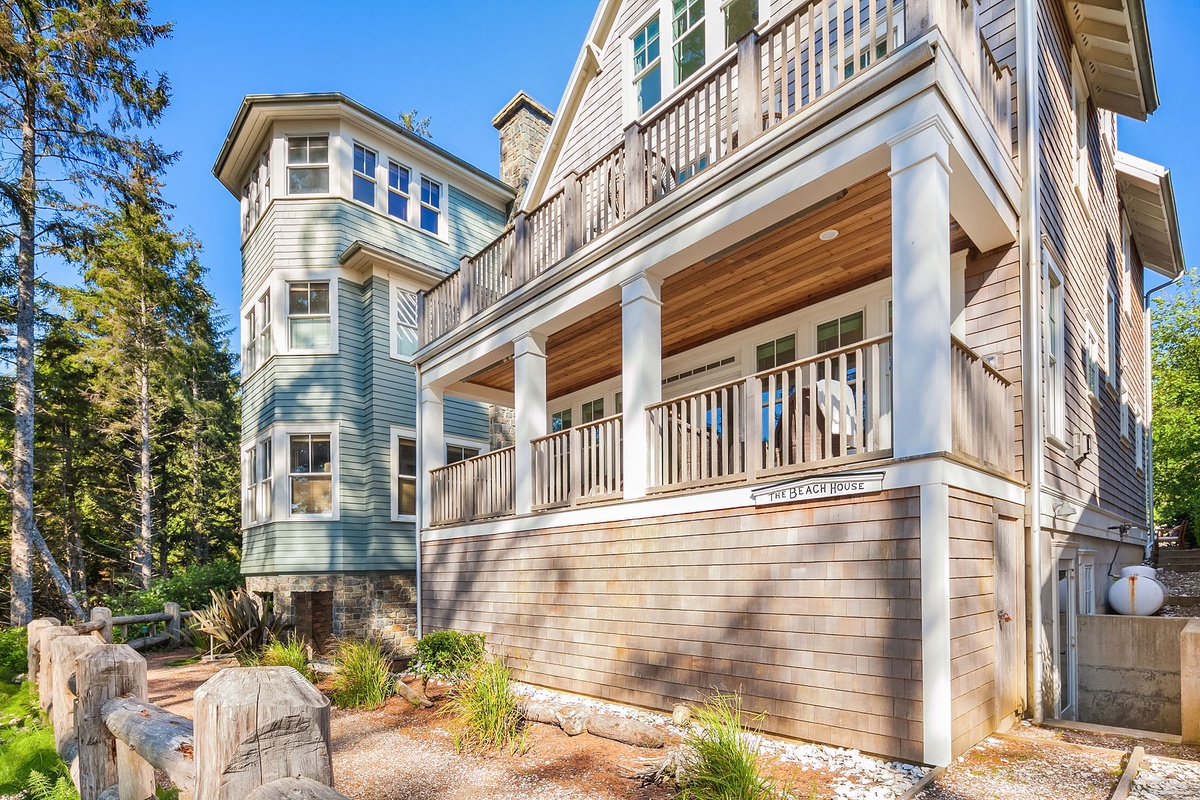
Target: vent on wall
{"points": [[698, 370]]}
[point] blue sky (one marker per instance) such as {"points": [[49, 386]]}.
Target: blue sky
{"points": [[459, 64]]}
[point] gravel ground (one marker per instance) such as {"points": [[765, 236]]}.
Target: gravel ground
{"points": [[1166, 779]]}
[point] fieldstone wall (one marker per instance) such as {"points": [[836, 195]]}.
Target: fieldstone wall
{"points": [[503, 427], [376, 606]]}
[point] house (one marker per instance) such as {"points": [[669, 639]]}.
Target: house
{"points": [[345, 217], [823, 328]]}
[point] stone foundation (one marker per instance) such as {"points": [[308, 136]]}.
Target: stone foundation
{"points": [[381, 607]]}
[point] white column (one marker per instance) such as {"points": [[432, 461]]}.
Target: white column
{"points": [[921, 290], [936, 693], [529, 408], [641, 374], [431, 450]]}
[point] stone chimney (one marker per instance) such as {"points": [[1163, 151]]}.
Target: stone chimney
{"points": [[523, 125]]}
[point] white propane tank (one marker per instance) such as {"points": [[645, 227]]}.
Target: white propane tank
{"points": [[1136, 593]]}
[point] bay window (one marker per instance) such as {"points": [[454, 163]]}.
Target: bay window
{"points": [[431, 206], [258, 497], [364, 174], [310, 474], [256, 331], [308, 164], [309, 322], [398, 181]]}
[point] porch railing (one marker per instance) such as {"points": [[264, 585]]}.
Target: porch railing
{"points": [[474, 488], [831, 408], [983, 419], [578, 465], [771, 77]]}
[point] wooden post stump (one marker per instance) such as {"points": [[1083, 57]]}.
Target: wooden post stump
{"points": [[45, 676], [256, 725], [64, 650], [173, 624], [33, 645], [104, 615], [104, 673]]}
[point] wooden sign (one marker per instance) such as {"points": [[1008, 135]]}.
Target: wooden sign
{"points": [[817, 488]]}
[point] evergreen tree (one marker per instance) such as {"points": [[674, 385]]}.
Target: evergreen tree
{"points": [[71, 102]]}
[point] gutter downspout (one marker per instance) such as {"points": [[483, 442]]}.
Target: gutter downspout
{"points": [[420, 510], [1031, 338]]}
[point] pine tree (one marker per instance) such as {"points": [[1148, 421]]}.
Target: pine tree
{"points": [[71, 102]]}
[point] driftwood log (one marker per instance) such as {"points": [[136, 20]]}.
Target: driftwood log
{"points": [[414, 696], [257, 725], [295, 789], [576, 719], [164, 740]]}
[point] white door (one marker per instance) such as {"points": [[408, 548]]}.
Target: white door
{"points": [[1066, 639]]}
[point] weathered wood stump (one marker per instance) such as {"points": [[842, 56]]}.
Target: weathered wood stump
{"points": [[629, 731], [258, 725], [103, 615], [33, 645], [64, 650], [103, 673], [45, 674], [295, 789]]}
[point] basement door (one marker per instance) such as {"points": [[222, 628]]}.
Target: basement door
{"points": [[1066, 639]]}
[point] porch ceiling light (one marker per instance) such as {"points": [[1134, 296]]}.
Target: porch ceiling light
{"points": [[829, 235]]}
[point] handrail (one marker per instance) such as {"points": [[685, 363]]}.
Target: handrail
{"points": [[982, 411], [580, 464], [865, 343], [475, 488], [966, 348]]}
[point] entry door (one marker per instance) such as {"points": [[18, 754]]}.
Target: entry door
{"points": [[1066, 638], [1010, 621]]}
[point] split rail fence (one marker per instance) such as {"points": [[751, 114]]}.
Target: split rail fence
{"points": [[257, 733]]}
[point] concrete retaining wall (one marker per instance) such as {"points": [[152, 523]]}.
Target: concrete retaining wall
{"points": [[1129, 672]]}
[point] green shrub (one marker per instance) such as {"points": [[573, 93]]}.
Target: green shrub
{"points": [[292, 653], [362, 676], [47, 787], [12, 652], [449, 654], [721, 761], [26, 742], [190, 587], [487, 712], [241, 623]]}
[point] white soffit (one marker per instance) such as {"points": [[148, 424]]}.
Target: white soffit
{"points": [[1149, 201], [1114, 49]]}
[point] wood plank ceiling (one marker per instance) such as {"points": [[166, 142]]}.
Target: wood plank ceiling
{"points": [[773, 273]]}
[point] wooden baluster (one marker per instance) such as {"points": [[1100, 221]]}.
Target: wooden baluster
{"points": [[750, 90], [466, 302], [635, 171]]}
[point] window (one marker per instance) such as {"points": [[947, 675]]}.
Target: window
{"points": [[1139, 445], [460, 452], [257, 333], [256, 194], [647, 66], [1112, 338], [308, 316], [1091, 362], [838, 333], [1127, 263], [405, 343], [1087, 585], [592, 410], [1079, 101], [406, 476], [740, 17], [775, 354], [257, 477], [1124, 412], [560, 420], [398, 181], [308, 164], [1054, 345], [618, 403], [310, 474], [250, 479], [431, 205], [687, 26], [364, 174]]}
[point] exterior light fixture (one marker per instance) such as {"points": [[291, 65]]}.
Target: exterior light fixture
{"points": [[829, 235]]}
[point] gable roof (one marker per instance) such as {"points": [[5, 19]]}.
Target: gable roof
{"points": [[586, 68], [1113, 43], [1149, 200]]}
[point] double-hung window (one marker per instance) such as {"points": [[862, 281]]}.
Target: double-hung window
{"points": [[560, 420], [406, 476], [1091, 360], [592, 410], [308, 164], [310, 474], [687, 26], [309, 323], [647, 66], [256, 194], [1125, 432], [740, 17], [431, 206], [250, 349], [259, 499], [257, 332], [1079, 102], [460, 452], [398, 181], [1112, 338], [364, 174], [406, 324], [1054, 346]]}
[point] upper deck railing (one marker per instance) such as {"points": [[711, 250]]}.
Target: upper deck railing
{"points": [[800, 59]]}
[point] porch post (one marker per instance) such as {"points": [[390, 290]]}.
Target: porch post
{"points": [[921, 290], [431, 452], [641, 374], [921, 391], [529, 408]]}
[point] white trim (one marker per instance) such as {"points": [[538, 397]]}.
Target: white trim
{"points": [[1080, 131], [330, 149], [1054, 375], [395, 286], [255, 444]]}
